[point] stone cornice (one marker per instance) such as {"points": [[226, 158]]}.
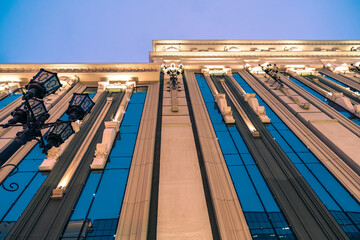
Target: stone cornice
{"points": [[79, 68], [259, 54], [255, 42]]}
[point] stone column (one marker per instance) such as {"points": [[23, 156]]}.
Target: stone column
{"points": [[182, 210]]}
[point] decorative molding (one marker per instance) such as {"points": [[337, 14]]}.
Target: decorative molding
{"points": [[79, 68], [7, 88], [215, 70], [225, 110], [248, 54], [254, 132], [103, 149], [252, 42], [116, 86], [304, 105]]}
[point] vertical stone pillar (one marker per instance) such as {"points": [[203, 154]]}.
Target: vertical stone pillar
{"points": [[182, 210]]}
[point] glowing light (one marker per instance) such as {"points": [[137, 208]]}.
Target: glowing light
{"points": [[214, 66], [252, 129], [295, 66], [303, 72], [232, 49], [116, 118], [64, 181], [292, 49], [172, 49], [119, 78], [115, 86], [264, 65], [343, 68]]}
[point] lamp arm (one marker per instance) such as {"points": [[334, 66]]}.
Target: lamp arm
{"points": [[28, 105], [52, 124], [42, 144], [12, 186], [9, 151]]}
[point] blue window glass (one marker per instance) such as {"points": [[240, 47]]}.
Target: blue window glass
{"points": [[281, 226], [128, 129], [29, 180], [260, 225], [8, 198], [108, 199], [102, 229], [25, 198], [340, 83], [121, 148], [261, 211], [247, 193], [239, 142], [233, 160], [98, 209], [118, 162], [263, 190], [86, 198], [9, 99], [330, 103], [226, 144], [344, 208]]}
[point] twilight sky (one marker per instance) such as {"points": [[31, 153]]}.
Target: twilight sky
{"points": [[120, 31]]}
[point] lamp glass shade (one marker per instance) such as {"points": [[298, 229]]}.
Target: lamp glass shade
{"points": [[63, 130], [82, 101], [48, 80], [37, 106]]}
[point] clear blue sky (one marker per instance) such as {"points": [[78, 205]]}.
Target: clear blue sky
{"points": [[98, 31]]}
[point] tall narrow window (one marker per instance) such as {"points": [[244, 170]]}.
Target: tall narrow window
{"points": [[97, 211]]}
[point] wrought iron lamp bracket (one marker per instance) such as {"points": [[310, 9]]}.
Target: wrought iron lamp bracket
{"points": [[12, 186]]}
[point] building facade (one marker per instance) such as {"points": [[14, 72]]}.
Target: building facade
{"points": [[246, 140]]}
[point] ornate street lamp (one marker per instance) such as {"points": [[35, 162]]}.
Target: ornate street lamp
{"points": [[272, 71], [355, 68], [58, 134], [79, 106], [173, 71], [32, 114], [44, 83], [21, 114]]}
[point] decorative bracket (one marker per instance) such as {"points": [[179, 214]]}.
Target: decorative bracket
{"points": [[103, 149], [225, 110]]}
